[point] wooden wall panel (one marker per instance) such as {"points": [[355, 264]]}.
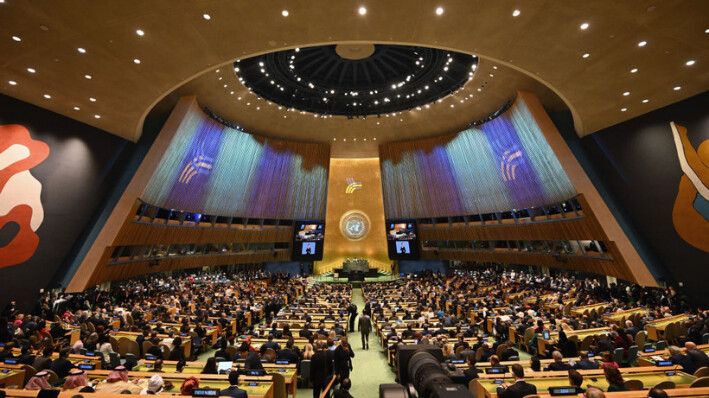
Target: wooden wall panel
{"points": [[145, 234]]}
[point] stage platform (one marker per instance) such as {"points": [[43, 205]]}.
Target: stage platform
{"points": [[329, 278]]}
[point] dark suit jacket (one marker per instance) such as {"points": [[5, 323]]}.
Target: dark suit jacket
{"points": [[364, 324], [233, 391], [685, 362], [699, 358], [559, 366], [518, 390], [253, 361], [506, 354], [62, 367], [288, 354], [320, 368], [587, 364]]}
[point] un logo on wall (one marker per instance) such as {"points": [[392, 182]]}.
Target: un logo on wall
{"points": [[354, 225]]}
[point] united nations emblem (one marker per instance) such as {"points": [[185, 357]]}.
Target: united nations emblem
{"points": [[354, 225]]}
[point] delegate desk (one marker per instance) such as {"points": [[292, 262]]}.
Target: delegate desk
{"points": [[288, 371], [255, 386], [646, 358], [543, 344], [486, 385], [186, 340], [619, 316], [582, 309], [12, 377], [656, 328]]}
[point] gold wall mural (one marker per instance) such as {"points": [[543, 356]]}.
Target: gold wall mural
{"points": [[690, 214], [355, 215]]}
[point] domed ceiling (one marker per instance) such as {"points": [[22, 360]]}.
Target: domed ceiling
{"points": [[356, 80]]}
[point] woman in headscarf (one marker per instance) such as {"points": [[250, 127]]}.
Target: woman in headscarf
{"points": [[76, 379], [40, 381]]}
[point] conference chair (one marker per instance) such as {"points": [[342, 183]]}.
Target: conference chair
{"points": [[305, 372], [131, 361], [53, 378], [29, 373], [661, 345], [665, 385], [700, 382], [702, 372], [705, 338], [634, 385], [115, 360], [633, 355], [640, 338], [279, 385], [618, 355]]}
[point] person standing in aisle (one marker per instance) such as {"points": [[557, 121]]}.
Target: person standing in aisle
{"points": [[365, 327]]}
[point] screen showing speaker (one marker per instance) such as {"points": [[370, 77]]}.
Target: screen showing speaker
{"points": [[402, 240], [308, 240]]}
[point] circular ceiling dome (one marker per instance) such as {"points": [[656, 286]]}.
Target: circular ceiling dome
{"points": [[356, 80]]}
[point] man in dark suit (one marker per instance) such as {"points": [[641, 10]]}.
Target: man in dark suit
{"points": [[62, 365], [508, 352], [320, 369], [699, 357], [520, 388], [558, 363], [253, 361], [631, 329], [472, 372], [288, 353], [352, 310], [365, 327], [270, 344], [233, 390], [585, 363], [684, 361]]}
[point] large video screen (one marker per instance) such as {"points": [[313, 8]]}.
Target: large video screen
{"points": [[308, 240], [402, 240]]}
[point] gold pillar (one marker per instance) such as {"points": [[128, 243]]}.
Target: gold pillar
{"points": [[355, 216]]}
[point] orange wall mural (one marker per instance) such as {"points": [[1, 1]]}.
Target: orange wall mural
{"points": [[355, 215], [690, 214]]}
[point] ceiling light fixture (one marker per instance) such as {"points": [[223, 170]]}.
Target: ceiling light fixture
{"points": [[677, 88], [92, 99], [623, 109], [97, 116], [690, 62], [16, 38], [584, 26], [31, 70], [47, 96], [516, 13], [362, 11], [645, 101], [136, 61], [439, 11], [627, 93], [642, 43], [81, 50], [140, 32], [87, 76], [12, 82], [284, 13], [206, 16], [586, 55], [634, 70], [76, 108]]}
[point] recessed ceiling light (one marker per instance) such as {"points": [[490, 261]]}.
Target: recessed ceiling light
{"points": [[12, 82], [344, 139], [31, 70], [16, 38], [623, 109], [706, 31], [633, 70], [87, 76], [586, 55], [206, 16], [356, 139], [334, 139], [47, 96], [584, 26], [76, 108], [677, 88], [139, 32], [494, 67], [690, 62], [645, 101], [136, 61], [627, 93], [97, 116], [439, 10], [81, 50], [362, 10], [642, 43], [375, 138], [92, 99], [516, 13], [284, 13]]}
